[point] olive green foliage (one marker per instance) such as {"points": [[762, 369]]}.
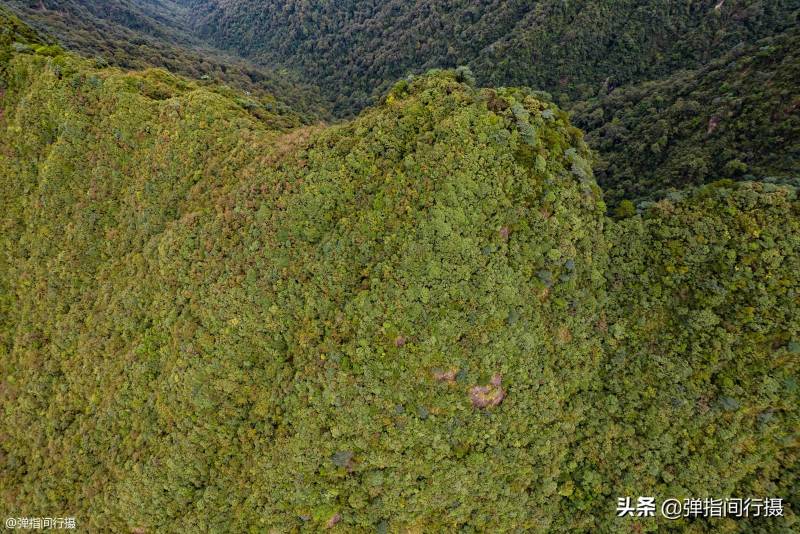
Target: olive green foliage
{"points": [[212, 319], [671, 94], [356, 49], [117, 157], [737, 117], [140, 34], [698, 393], [15, 36], [198, 306]]}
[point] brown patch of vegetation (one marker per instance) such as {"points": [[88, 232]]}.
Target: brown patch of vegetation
{"points": [[446, 376], [335, 518], [288, 143], [713, 122], [543, 294], [489, 395], [495, 103], [563, 335]]}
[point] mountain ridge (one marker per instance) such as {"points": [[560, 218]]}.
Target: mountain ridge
{"points": [[216, 317], [357, 49]]}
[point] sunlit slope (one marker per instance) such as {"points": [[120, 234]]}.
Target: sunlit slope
{"points": [[96, 167], [212, 320], [419, 320]]}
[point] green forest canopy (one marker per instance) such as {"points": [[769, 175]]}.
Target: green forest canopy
{"points": [[356, 49], [419, 319], [670, 95], [737, 117]]}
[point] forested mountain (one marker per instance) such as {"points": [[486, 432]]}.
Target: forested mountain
{"points": [[153, 33], [670, 94], [213, 318], [701, 355], [736, 117], [356, 49]]}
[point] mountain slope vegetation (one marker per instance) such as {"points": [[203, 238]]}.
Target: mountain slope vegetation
{"points": [[215, 318], [671, 95], [701, 358], [737, 117], [138, 35], [356, 49]]}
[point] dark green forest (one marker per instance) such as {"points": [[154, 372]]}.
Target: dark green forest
{"points": [[738, 117], [356, 49], [393, 283], [136, 34]]}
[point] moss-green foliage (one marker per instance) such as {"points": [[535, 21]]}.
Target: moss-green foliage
{"points": [[213, 322], [15, 37], [737, 117], [356, 49], [117, 157], [699, 388], [197, 306], [153, 33], [14, 30]]}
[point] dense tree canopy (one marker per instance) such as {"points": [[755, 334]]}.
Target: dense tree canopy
{"points": [[699, 388], [671, 94], [215, 318], [153, 33], [737, 117], [356, 49]]}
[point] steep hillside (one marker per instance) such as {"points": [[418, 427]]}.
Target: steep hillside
{"points": [[737, 117], [15, 34], [153, 33], [356, 49], [418, 320], [699, 391], [202, 310], [724, 104]]}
